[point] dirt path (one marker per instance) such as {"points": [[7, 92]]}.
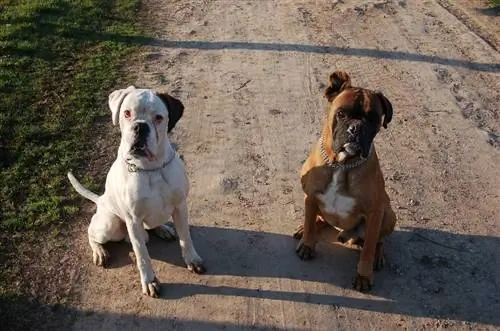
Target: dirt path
{"points": [[251, 75]]}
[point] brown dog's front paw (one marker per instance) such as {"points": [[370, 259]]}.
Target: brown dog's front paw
{"points": [[299, 232], [151, 289], [304, 251], [363, 283]]}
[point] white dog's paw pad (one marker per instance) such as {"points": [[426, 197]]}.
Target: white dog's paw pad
{"points": [[100, 256], [196, 266], [151, 289], [166, 232]]}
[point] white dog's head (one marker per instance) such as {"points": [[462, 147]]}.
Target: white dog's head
{"points": [[145, 117]]}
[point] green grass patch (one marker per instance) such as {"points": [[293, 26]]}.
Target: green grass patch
{"points": [[495, 3], [58, 61]]}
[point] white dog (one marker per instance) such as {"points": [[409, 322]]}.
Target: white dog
{"points": [[146, 184]]}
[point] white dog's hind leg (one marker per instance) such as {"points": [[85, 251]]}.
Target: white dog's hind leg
{"points": [[149, 282], [166, 231], [191, 257], [104, 227]]}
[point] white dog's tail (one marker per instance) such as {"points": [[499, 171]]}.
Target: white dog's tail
{"points": [[82, 190]]}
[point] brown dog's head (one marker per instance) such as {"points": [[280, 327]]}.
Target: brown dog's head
{"points": [[354, 116]]}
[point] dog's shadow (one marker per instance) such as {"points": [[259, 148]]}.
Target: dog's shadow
{"points": [[159, 249], [429, 273]]}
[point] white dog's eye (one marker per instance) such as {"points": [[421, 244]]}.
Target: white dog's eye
{"points": [[158, 118], [127, 114]]}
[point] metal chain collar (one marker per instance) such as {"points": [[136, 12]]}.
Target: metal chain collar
{"points": [[344, 166], [134, 168]]}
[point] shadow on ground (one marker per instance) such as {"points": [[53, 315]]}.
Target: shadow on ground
{"points": [[430, 273], [493, 11], [51, 27], [32, 316]]}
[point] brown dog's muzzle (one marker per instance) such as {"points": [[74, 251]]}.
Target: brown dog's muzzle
{"points": [[355, 138], [363, 135]]}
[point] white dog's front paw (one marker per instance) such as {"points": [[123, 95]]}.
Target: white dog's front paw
{"points": [[99, 255], [194, 263], [151, 289], [166, 231]]}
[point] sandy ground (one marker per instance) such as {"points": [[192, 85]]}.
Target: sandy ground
{"points": [[251, 75]]}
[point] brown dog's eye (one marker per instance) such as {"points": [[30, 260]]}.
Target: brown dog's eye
{"points": [[340, 114], [158, 118], [127, 114]]}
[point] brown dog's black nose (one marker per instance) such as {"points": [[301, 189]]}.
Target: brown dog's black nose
{"points": [[354, 129]]}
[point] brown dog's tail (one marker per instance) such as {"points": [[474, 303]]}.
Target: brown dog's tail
{"points": [[86, 193]]}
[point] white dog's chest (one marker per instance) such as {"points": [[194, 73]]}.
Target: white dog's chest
{"points": [[153, 197], [334, 203]]}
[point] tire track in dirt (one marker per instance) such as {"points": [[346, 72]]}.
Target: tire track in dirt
{"points": [[461, 14]]}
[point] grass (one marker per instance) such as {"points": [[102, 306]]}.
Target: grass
{"points": [[58, 61]]}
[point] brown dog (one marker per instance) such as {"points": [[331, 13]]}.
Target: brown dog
{"points": [[342, 179]]}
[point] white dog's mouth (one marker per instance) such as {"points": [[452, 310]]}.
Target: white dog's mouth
{"points": [[142, 151]]}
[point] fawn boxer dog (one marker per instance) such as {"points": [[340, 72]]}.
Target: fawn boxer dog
{"points": [[342, 180], [146, 185]]}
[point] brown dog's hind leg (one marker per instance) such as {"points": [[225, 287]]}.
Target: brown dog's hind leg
{"points": [[388, 222], [320, 225], [305, 248]]}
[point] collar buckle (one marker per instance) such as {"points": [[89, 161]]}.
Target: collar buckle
{"points": [[131, 167], [134, 168]]}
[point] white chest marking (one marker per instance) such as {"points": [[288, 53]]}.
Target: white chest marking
{"points": [[333, 201]]}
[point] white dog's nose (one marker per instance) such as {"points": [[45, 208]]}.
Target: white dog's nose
{"points": [[141, 129]]}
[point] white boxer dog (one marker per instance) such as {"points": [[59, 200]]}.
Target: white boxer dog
{"points": [[146, 185]]}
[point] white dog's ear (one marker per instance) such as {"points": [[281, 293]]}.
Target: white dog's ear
{"points": [[175, 109], [115, 101]]}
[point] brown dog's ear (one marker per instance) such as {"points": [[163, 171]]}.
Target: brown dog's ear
{"points": [[386, 109], [175, 109], [338, 81]]}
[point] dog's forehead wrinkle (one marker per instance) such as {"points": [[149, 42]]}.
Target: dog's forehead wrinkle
{"points": [[144, 100], [354, 101]]}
